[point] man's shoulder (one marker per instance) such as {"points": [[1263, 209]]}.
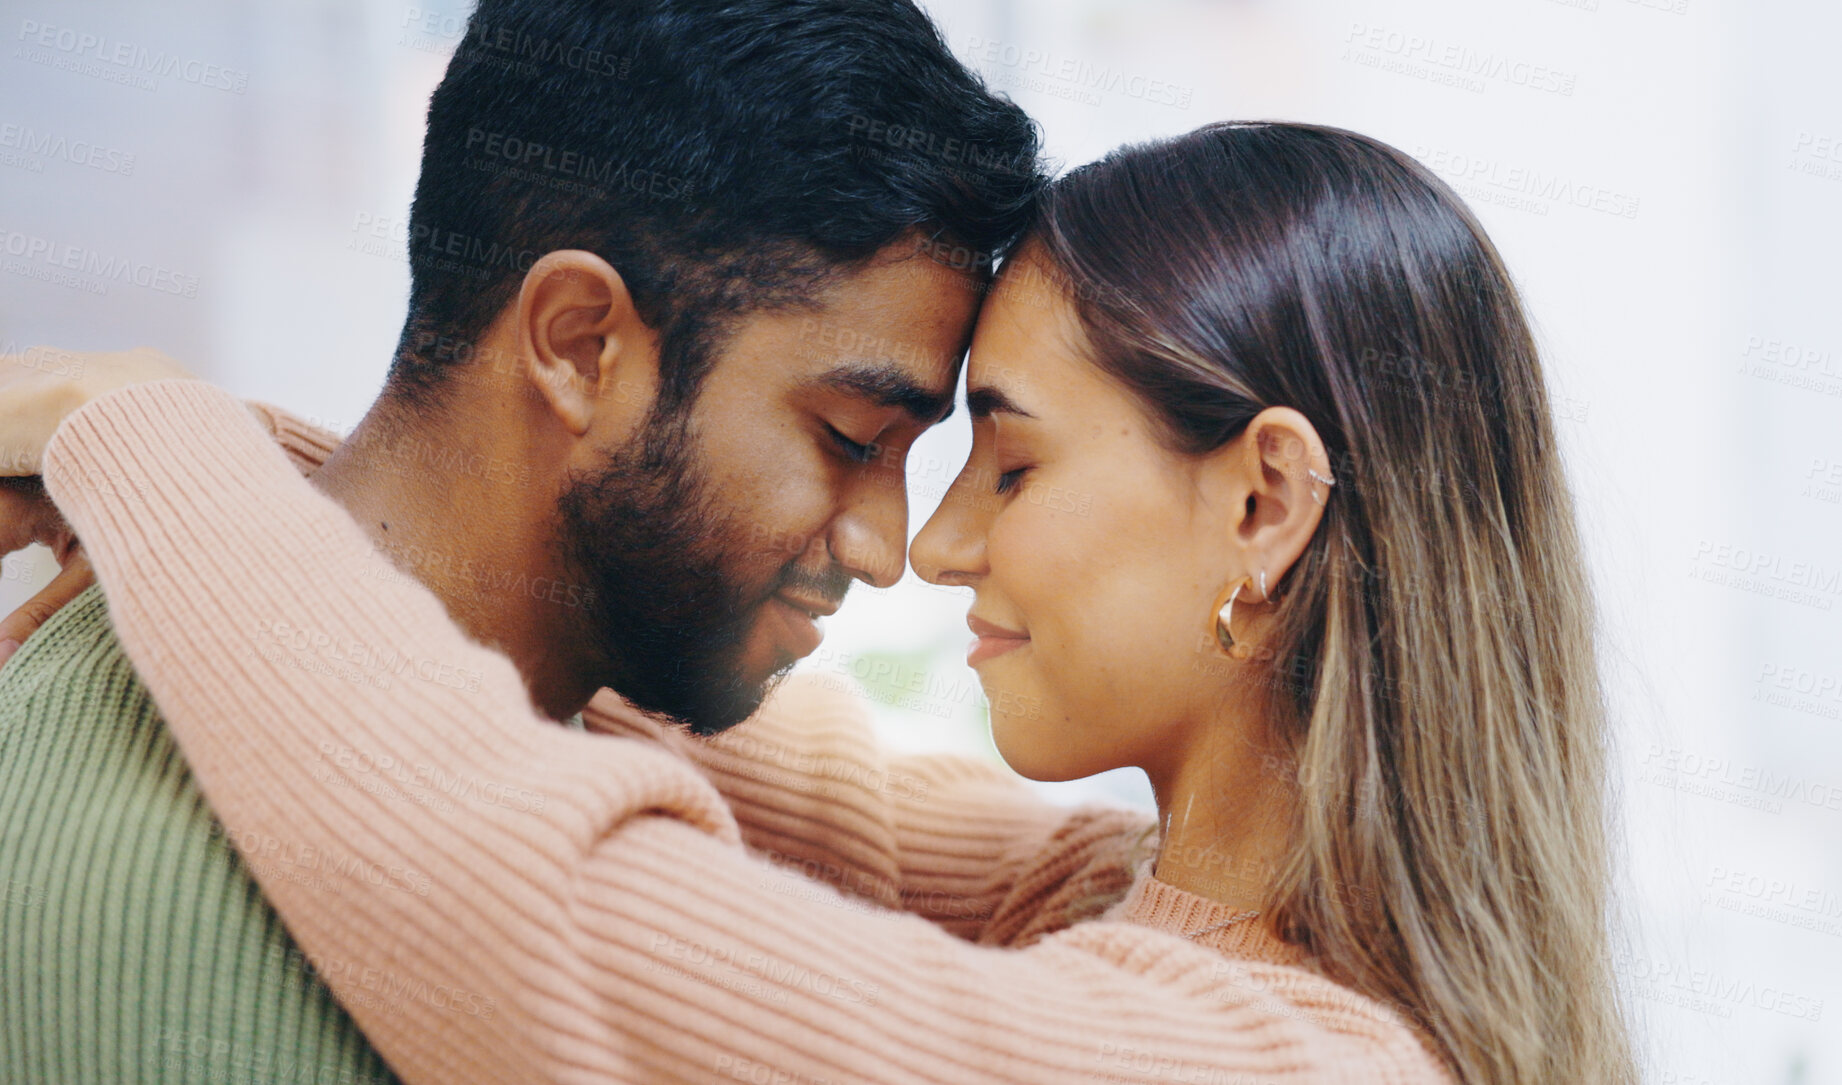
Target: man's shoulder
{"points": [[97, 804], [75, 643], [70, 688]]}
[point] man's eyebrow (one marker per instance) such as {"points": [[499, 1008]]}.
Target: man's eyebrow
{"points": [[985, 401], [887, 385]]}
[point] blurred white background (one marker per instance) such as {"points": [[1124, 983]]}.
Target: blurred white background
{"points": [[1663, 176]]}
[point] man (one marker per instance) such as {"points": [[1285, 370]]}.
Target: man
{"points": [[679, 304]]}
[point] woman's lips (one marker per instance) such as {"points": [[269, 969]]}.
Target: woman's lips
{"points": [[986, 648], [993, 641]]}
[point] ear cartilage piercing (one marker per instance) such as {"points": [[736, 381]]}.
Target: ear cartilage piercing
{"points": [[1325, 479]]}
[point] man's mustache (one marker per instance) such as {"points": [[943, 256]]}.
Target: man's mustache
{"points": [[829, 584]]}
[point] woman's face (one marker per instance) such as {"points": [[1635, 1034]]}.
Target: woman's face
{"points": [[1095, 553]]}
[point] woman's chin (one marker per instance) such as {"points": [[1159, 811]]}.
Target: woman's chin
{"points": [[1034, 769], [1039, 757], [1021, 730]]}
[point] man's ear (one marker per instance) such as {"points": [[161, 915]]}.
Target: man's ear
{"points": [[1273, 474], [587, 346]]}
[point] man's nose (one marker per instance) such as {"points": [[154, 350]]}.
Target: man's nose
{"points": [[870, 537]]}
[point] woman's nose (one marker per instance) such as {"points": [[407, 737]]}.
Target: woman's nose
{"points": [[950, 548]]}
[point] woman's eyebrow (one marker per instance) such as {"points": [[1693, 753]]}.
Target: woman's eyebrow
{"points": [[985, 401]]}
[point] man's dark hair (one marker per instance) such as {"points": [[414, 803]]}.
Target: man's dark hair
{"points": [[725, 156]]}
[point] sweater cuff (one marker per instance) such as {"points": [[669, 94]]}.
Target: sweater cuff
{"points": [[100, 466]]}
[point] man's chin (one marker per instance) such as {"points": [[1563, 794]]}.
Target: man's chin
{"points": [[717, 705], [706, 693], [715, 719], [720, 714]]}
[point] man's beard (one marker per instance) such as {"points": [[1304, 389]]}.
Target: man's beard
{"points": [[671, 609]]}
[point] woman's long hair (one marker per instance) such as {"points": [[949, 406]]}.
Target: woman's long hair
{"points": [[1440, 705]]}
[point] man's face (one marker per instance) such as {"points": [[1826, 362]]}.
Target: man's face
{"points": [[715, 537]]}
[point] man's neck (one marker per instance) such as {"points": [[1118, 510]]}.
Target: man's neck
{"points": [[449, 509]]}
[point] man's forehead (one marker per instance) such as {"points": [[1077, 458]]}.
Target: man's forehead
{"points": [[896, 336], [921, 347], [912, 294], [893, 333]]}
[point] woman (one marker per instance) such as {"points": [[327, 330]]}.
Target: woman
{"points": [[1264, 499]]}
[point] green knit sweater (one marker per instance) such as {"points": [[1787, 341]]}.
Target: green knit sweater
{"points": [[134, 946]]}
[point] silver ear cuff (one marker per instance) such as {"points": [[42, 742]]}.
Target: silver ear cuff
{"points": [[1325, 479]]}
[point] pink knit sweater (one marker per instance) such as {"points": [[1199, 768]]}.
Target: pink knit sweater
{"points": [[499, 899]]}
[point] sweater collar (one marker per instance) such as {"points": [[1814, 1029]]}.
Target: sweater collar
{"points": [[1162, 906], [610, 714]]}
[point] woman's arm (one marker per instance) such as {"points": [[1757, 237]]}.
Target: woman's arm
{"points": [[954, 839], [38, 388], [496, 899]]}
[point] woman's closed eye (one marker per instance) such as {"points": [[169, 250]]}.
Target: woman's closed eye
{"points": [[1008, 480]]}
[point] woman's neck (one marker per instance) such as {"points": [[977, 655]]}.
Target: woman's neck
{"points": [[1226, 813]]}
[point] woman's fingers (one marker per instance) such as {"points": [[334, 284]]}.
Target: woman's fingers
{"points": [[32, 404], [27, 516], [71, 581], [41, 386]]}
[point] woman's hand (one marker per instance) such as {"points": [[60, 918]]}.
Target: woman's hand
{"points": [[38, 390], [43, 386], [26, 517]]}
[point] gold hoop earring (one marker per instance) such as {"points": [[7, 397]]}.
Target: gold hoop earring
{"points": [[1222, 620]]}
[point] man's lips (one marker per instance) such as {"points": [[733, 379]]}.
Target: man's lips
{"points": [[993, 640], [799, 616], [812, 606], [800, 626]]}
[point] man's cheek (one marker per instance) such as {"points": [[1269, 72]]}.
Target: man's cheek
{"points": [[775, 547]]}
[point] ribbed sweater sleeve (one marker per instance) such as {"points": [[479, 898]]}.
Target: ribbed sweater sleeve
{"points": [[951, 838], [498, 899]]}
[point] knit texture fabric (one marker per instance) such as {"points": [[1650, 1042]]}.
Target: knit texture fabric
{"points": [[598, 889], [134, 946]]}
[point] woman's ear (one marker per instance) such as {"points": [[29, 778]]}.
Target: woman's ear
{"points": [[586, 344], [1276, 467]]}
